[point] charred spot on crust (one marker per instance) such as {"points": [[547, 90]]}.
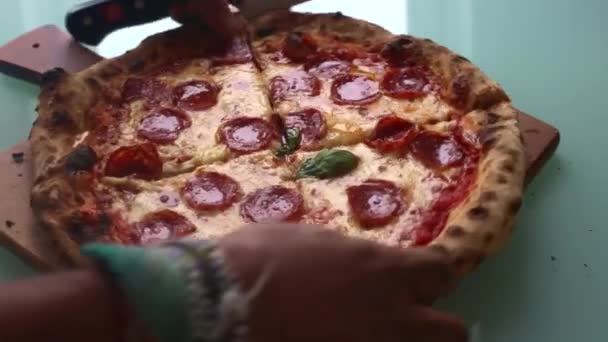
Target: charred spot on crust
{"points": [[265, 31], [338, 15], [137, 65], [9, 224], [460, 58], [83, 232], [492, 118], [110, 71], [515, 205], [487, 136], [61, 118], [488, 196], [501, 179], [83, 158], [488, 237], [461, 87], [478, 213], [401, 51], [507, 166], [50, 77], [455, 231]]}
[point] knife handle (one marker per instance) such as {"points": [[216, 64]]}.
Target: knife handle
{"points": [[92, 21]]}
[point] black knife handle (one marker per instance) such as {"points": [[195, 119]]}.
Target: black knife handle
{"points": [[92, 21]]}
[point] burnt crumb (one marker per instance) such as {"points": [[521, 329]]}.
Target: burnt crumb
{"points": [[553, 258], [83, 158], [18, 157], [9, 224], [590, 230], [265, 31], [559, 168], [52, 76], [585, 265]]}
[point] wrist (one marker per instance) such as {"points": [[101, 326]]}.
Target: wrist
{"points": [[180, 291]]}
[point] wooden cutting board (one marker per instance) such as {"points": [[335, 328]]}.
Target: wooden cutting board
{"points": [[29, 56]]}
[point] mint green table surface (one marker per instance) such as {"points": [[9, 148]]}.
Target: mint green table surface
{"points": [[550, 283]]}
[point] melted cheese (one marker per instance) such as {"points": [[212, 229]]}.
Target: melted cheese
{"points": [[251, 172], [348, 125], [328, 203], [242, 93]]}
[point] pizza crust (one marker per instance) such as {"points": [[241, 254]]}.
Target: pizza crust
{"points": [[475, 229]]}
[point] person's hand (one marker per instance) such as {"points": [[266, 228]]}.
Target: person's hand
{"points": [[215, 14], [316, 285]]}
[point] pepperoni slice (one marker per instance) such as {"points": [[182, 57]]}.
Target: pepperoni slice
{"points": [[137, 88], [392, 134], [195, 95], [329, 69], [354, 90], [235, 51], [163, 125], [162, 226], [310, 123], [294, 83], [211, 191], [273, 204], [437, 151], [246, 135], [299, 47], [409, 83], [141, 161], [375, 203]]}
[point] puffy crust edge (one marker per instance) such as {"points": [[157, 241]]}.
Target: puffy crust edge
{"points": [[482, 224]]}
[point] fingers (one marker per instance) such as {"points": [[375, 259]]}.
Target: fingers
{"points": [[214, 13], [427, 273], [429, 325]]}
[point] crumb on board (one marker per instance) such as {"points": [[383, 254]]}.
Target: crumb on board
{"points": [[9, 223], [585, 265], [553, 258], [18, 157]]}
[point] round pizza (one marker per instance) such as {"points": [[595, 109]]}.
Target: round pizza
{"points": [[309, 118]]}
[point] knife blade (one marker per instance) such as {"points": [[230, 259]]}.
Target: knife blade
{"points": [[92, 21]]}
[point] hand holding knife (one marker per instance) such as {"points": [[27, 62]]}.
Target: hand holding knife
{"points": [[92, 21]]}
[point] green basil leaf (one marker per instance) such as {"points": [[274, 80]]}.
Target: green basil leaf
{"points": [[290, 143], [328, 164]]}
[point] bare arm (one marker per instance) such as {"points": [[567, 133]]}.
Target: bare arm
{"points": [[72, 306]]}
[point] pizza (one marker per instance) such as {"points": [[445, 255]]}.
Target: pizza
{"points": [[309, 118]]}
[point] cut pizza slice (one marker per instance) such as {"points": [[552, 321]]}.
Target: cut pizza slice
{"points": [[176, 95], [340, 82], [216, 199]]}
